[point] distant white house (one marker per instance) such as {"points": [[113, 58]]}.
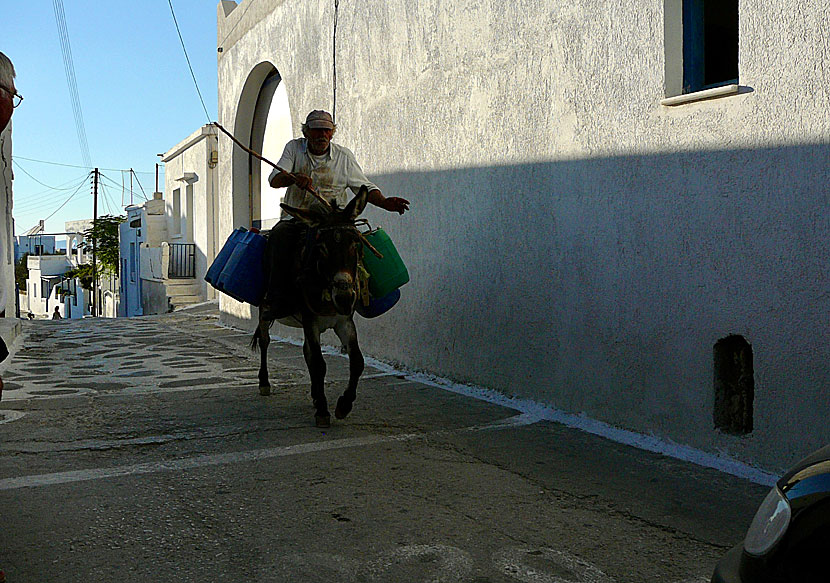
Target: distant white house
{"points": [[48, 284], [34, 242]]}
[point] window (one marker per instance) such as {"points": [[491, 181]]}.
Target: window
{"points": [[701, 42], [132, 262], [177, 213]]}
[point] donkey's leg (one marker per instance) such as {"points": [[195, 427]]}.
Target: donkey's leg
{"points": [[317, 371], [264, 340], [347, 333]]}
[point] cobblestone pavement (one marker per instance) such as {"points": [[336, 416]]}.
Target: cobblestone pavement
{"points": [[140, 450]]}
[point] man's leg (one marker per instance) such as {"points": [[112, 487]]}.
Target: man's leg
{"points": [[280, 269]]}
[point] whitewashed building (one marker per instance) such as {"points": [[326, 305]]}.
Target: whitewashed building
{"points": [[144, 253], [48, 285], [45, 284], [34, 242], [619, 208], [168, 243], [190, 192], [7, 282]]}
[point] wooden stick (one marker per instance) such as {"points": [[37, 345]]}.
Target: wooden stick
{"points": [[376, 253], [256, 155]]}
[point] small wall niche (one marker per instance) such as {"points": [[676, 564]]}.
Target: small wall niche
{"points": [[734, 383]]}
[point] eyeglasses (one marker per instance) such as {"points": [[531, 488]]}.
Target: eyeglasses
{"points": [[17, 99]]}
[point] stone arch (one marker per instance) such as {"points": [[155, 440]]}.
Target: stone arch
{"points": [[73, 247], [253, 127]]}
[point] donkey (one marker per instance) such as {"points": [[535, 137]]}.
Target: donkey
{"points": [[327, 289]]}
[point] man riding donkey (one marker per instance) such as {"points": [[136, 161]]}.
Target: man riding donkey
{"points": [[311, 258], [311, 162]]}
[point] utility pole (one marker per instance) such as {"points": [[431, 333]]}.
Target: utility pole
{"points": [[95, 245]]}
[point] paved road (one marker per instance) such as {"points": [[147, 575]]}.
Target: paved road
{"points": [[141, 450]]}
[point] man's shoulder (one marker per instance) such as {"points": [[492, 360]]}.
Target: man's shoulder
{"points": [[341, 150]]}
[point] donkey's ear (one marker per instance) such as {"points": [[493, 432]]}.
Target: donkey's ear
{"points": [[358, 203], [310, 218]]}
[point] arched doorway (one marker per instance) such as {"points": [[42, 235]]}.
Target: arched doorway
{"points": [[263, 122]]}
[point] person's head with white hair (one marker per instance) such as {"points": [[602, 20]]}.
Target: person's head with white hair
{"points": [[9, 97]]}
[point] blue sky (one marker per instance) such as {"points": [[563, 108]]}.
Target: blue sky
{"points": [[136, 94]]}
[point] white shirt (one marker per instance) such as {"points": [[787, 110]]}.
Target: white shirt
{"points": [[331, 174]]}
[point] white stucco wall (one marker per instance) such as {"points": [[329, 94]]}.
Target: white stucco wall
{"points": [[7, 282], [77, 306], [571, 240], [189, 162]]}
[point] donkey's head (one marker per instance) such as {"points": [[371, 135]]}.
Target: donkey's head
{"points": [[331, 256]]}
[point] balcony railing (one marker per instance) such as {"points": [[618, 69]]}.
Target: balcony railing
{"points": [[182, 261]]}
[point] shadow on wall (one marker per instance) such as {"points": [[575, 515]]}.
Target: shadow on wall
{"points": [[602, 285]]}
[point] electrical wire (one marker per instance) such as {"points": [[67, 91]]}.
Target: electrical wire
{"points": [[192, 74], [46, 185], [109, 202], [139, 185], [36, 203], [34, 206], [53, 163], [83, 167], [102, 197], [77, 190], [69, 68], [114, 183]]}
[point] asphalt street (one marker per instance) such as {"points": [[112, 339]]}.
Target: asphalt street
{"points": [[141, 450]]}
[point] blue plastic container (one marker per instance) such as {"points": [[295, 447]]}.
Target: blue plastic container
{"points": [[212, 275], [242, 277], [378, 306]]}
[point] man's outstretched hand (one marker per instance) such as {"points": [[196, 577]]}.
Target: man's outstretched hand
{"points": [[395, 204]]}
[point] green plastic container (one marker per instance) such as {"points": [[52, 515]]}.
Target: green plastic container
{"points": [[387, 274]]}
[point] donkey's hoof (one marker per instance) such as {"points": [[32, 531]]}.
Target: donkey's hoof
{"points": [[264, 390], [323, 421], [344, 407]]}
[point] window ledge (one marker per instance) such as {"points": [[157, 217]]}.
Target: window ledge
{"points": [[700, 95]]}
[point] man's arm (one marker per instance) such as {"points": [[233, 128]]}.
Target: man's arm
{"points": [[282, 179], [392, 204]]}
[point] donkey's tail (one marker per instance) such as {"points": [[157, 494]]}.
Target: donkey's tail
{"points": [[255, 339]]}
